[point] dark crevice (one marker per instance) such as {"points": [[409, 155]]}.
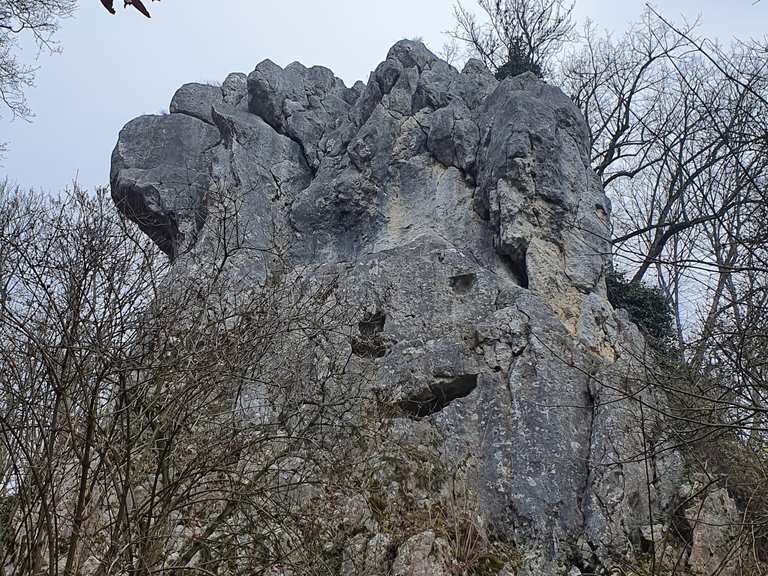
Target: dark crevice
{"points": [[300, 143], [370, 344], [372, 324], [462, 283], [517, 268], [368, 348], [202, 119], [282, 129], [160, 226], [681, 529], [583, 565], [440, 394], [591, 405]]}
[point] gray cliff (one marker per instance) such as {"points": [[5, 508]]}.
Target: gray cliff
{"points": [[468, 225]]}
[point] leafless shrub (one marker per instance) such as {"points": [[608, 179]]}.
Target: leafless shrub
{"points": [[514, 35], [154, 420]]}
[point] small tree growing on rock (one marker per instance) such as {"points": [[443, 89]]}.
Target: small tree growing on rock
{"points": [[645, 305], [518, 35]]}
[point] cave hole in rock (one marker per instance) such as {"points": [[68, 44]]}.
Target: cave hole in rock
{"points": [[583, 565], [369, 343], [439, 394], [372, 324], [517, 268], [462, 283]]}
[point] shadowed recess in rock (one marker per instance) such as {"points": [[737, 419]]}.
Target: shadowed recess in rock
{"points": [[517, 268], [370, 344], [462, 283], [439, 394]]}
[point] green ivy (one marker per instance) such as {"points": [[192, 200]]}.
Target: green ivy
{"points": [[646, 306]]}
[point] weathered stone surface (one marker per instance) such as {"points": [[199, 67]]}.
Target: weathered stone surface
{"points": [[234, 90], [463, 218], [367, 557], [715, 526], [160, 176], [196, 100], [421, 555]]}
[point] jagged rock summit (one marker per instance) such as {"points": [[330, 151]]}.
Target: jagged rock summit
{"points": [[464, 217]]}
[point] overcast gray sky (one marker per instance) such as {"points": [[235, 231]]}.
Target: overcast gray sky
{"points": [[114, 68]]}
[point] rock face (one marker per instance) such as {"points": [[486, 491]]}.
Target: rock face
{"points": [[464, 218]]}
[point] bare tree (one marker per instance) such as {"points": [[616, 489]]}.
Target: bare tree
{"points": [[516, 35], [36, 19], [154, 420], [678, 137]]}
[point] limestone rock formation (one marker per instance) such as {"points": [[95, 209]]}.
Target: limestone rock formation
{"points": [[463, 217]]}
